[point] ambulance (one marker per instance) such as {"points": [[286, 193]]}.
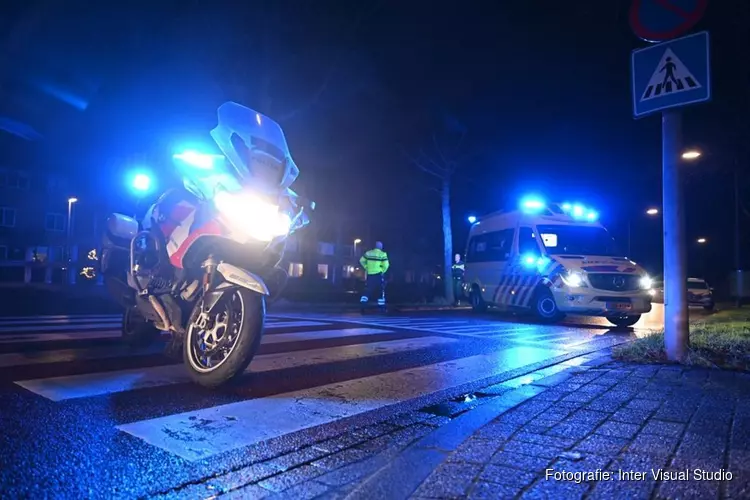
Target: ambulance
{"points": [[553, 259]]}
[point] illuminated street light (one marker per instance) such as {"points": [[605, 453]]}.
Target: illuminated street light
{"points": [[357, 241], [691, 154], [652, 211], [472, 219], [701, 240]]}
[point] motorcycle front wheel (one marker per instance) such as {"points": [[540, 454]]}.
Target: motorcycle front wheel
{"points": [[219, 347]]}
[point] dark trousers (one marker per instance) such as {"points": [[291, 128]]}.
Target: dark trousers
{"points": [[458, 289], [374, 287]]}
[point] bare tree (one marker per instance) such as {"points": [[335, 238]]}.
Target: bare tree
{"points": [[441, 158]]}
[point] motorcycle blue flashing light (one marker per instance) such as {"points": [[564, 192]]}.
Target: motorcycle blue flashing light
{"points": [[140, 182], [566, 207], [592, 216], [578, 211], [199, 160]]}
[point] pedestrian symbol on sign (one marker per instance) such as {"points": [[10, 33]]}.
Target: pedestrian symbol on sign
{"points": [[670, 77]]}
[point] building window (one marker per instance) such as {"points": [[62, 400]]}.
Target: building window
{"points": [[3, 253], [325, 248], [295, 270], [13, 179], [323, 271], [54, 222], [7, 217]]}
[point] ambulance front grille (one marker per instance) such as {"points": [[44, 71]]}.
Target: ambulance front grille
{"points": [[615, 282]]}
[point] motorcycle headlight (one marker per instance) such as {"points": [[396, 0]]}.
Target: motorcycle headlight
{"points": [[646, 282], [252, 216], [573, 279]]}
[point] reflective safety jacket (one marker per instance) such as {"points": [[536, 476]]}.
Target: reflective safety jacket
{"points": [[375, 261], [458, 270]]}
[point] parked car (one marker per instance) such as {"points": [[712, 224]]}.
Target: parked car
{"points": [[700, 294]]}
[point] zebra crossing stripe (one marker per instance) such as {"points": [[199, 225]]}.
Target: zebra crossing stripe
{"points": [[100, 383], [293, 324], [238, 425]]}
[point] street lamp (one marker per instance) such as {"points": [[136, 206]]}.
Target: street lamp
{"points": [[652, 211], [691, 154], [472, 219], [356, 242], [701, 240]]}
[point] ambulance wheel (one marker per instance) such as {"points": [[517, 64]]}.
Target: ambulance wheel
{"points": [[624, 321], [477, 302], [545, 307]]}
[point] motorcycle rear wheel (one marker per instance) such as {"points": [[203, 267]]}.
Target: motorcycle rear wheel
{"points": [[240, 316]]}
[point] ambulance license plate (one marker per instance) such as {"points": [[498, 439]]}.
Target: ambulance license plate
{"points": [[620, 306]]}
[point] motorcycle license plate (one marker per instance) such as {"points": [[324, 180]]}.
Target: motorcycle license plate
{"points": [[619, 306]]}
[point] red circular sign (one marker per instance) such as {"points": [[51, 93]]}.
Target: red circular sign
{"points": [[661, 20]]}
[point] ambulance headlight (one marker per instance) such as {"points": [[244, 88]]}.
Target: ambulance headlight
{"points": [[646, 282], [573, 279], [252, 216]]}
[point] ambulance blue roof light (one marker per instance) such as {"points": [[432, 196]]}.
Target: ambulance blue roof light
{"points": [[578, 211], [531, 204]]}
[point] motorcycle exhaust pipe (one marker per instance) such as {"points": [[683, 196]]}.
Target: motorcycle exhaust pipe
{"points": [[161, 312]]}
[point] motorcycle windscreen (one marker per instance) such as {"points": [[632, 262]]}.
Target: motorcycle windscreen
{"points": [[255, 146]]}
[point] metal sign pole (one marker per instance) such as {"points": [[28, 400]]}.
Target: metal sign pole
{"points": [[676, 337], [667, 76]]}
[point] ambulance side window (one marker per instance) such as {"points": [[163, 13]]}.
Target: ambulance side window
{"points": [[490, 247], [527, 242]]}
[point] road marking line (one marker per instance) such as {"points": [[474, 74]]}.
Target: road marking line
{"points": [[97, 384], [292, 324], [197, 435]]}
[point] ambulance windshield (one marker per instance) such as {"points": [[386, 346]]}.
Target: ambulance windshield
{"points": [[578, 240]]}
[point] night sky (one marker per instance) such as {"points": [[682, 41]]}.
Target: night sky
{"points": [[542, 89]]}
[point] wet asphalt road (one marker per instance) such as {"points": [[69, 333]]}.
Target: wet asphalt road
{"points": [[82, 417]]}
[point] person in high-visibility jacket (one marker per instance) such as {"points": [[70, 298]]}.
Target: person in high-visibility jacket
{"points": [[375, 263]]}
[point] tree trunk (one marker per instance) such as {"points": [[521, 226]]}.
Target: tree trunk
{"points": [[447, 241]]}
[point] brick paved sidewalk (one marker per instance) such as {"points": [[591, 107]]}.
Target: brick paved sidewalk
{"points": [[585, 414], [612, 417]]}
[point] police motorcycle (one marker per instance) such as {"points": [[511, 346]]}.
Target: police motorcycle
{"points": [[204, 261]]}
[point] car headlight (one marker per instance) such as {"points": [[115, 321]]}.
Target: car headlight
{"points": [[252, 216], [646, 282], [573, 279]]}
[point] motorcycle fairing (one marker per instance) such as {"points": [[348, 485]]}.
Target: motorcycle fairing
{"points": [[262, 137]]}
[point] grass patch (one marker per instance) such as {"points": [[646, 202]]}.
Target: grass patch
{"points": [[718, 341]]}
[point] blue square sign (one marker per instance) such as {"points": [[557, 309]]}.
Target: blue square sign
{"points": [[671, 74]]}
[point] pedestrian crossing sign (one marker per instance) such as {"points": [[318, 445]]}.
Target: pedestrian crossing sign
{"points": [[671, 74]]}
